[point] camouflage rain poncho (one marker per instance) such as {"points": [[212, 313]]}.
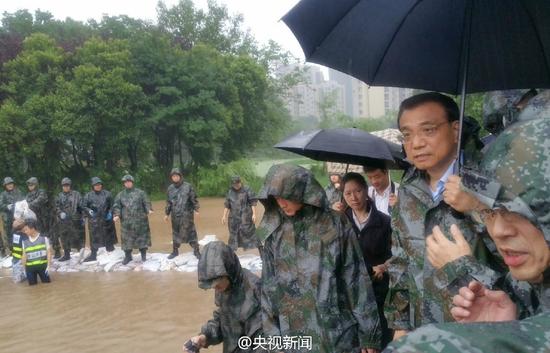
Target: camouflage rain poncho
{"points": [[133, 206]]}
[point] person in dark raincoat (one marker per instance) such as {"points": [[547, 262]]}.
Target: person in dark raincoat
{"points": [[314, 280], [517, 220], [8, 198], [238, 311], [37, 200], [132, 207], [334, 189], [97, 205], [182, 205], [240, 205], [69, 219]]}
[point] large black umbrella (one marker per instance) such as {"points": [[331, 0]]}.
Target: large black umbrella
{"points": [[429, 44], [452, 46], [343, 145]]}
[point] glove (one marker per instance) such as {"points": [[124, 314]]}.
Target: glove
{"points": [[91, 213], [191, 347], [62, 215], [109, 216], [10, 207]]}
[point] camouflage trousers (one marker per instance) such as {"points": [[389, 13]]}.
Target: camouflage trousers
{"points": [[72, 234], [183, 229]]}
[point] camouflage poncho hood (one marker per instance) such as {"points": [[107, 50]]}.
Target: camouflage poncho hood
{"points": [[218, 260], [293, 183], [519, 160]]}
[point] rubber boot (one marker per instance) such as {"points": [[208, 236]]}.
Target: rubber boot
{"points": [[175, 251], [196, 250], [127, 257], [92, 257], [66, 256], [143, 252], [57, 254]]}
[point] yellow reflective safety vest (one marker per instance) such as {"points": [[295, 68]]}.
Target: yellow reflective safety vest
{"points": [[36, 251]]}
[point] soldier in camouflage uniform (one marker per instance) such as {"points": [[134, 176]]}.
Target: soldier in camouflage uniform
{"points": [[97, 206], [334, 189], [8, 198], [419, 292], [314, 280], [517, 220], [238, 312], [132, 207], [38, 203], [240, 205], [69, 219], [182, 205]]}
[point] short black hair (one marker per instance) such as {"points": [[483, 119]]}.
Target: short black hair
{"points": [[358, 178], [31, 223], [450, 106], [372, 168]]}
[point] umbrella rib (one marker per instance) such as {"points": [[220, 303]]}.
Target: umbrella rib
{"points": [[539, 40], [393, 37]]}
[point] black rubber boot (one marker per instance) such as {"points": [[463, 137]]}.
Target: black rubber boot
{"points": [[57, 254], [143, 252], [92, 257], [66, 256], [196, 250], [127, 257], [175, 251]]}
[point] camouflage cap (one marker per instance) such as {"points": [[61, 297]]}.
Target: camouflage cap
{"points": [[32, 181], [66, 181], [295, 183], [8, 180], [537, 108], [176, 171], [499, 109], [128, 177], [519, 160], [95, 181], [235, 179]]}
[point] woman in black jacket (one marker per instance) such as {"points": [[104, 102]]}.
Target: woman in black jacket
{"points": [[373, 230]]}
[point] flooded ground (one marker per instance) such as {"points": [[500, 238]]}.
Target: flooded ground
{"points": [[135, 312]]}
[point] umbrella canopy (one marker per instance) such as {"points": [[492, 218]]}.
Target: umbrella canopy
{"points": [[429, 44], [343, 145]]}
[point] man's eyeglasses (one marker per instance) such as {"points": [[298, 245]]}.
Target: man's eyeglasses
{"points": [[425, 131]]}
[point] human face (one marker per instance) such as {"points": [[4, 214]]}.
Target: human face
{"points": [[31, 187], [237, 186], [98, 187], [289, 207], [176, 178], [355, 195], [66, 188], [430, 141], [378, 178], [335, 179], [10, 186], [128, 184], [521, 244], [221, 284]]}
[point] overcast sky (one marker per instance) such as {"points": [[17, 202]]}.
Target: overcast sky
{"points": [[261, 16]]}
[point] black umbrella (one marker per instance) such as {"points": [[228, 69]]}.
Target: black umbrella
{"points": [[344, 145], [452, 46]]}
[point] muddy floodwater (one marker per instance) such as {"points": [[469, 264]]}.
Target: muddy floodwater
{"points": [[120, 312]]}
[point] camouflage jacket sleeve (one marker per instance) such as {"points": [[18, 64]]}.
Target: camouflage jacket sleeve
{"points": [[252, 199], [146, 202], [227, 202], [84, 204], [193, 198], [168, 208], [117, 206], [461, 271], [270, 316], [212, 330], [3, 203], [58, 205], [357, 288], [396, 307]]}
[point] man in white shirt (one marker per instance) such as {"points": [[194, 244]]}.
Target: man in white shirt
{"points": [[382, 191]]}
